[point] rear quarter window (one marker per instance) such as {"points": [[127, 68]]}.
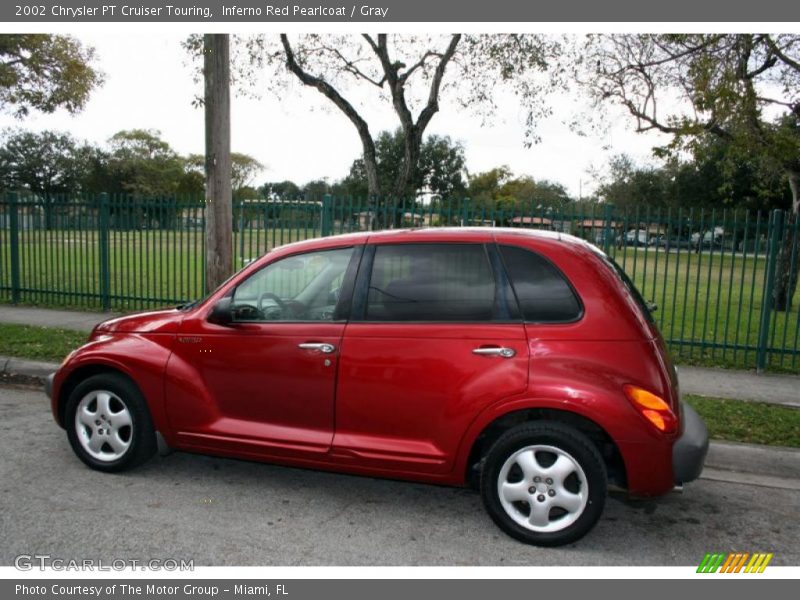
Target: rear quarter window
{"points": [[543, 292]]}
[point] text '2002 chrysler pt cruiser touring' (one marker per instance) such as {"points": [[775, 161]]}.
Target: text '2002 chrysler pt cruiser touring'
{"points": [[524, 362]]}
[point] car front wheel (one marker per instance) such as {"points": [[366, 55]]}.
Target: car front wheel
{"points": [[108, 423], [544, 483]]}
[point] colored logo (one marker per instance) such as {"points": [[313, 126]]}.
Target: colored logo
{"points": [[734, 562]]}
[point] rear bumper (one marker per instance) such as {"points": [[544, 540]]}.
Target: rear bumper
{"points": [[689, 450], [48, 385]]}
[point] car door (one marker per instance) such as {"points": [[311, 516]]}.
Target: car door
{"points": [[433, 339], [265, 383]]}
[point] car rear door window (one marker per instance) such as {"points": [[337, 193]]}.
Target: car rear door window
{"points": [[543, 293], [431, 282]]}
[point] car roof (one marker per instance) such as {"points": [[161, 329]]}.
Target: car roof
{"points": [[444, 233]]}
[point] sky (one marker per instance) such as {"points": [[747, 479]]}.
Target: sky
{"points": [[149, 84]]}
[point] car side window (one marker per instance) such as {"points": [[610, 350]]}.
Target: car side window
{"points": [[543, 293], [303, 287], [431, 282]]}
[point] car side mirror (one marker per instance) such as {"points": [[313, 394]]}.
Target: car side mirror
{"points": [[222, 313], [652, 307]]}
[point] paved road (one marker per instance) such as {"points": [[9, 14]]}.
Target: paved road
{"points": [[226, 512]]}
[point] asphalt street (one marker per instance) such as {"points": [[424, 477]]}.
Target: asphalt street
{"points": [[227, 512]]}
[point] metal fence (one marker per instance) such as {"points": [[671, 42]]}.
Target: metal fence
{"points": [[713, 274]]}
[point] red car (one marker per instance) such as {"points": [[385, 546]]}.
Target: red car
{"points": [[524, 362]]}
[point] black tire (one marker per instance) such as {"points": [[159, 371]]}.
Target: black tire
{"points": [[141, 434], [577, 447]]}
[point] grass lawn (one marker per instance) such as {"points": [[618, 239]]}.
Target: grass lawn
{"points": [[709, 304], [751, 422], [38, 343]]}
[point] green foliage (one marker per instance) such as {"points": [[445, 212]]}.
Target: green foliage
{"points": [[142, 164], [45, 163], [440, 170], [717, 176], [281, 190], [244, 169], [740, 88], [137, 162], [45, 72], [499, 189]]}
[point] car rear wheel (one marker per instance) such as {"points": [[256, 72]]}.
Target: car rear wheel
{"points": [[108, 423], [544, 483]]}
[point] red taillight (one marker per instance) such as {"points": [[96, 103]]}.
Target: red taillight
{"points": [[652, 408]]}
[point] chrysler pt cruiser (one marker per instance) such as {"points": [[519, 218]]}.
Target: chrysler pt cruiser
{"points": [[524, 363]]}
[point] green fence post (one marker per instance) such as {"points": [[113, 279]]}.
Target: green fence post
{"points": [[326, 218], [775, 234], [608, 214], [240, 205], [13, 223], [105, 275]]}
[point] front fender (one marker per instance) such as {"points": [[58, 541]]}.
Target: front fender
{"points": [[141, 357]]}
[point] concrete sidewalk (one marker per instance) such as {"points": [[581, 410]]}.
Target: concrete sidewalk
{"points": [[740, 385], [48, 317], [719, 383]]}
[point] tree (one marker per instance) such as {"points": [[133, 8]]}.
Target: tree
{"points": [[410, 73], [281, 190], [440, 170], [484, 187], [632, 186], [693, 86], [708, 179], [141, 163], [442, 167], [47, 163], [498, 189], [45, 72], [315, 190], [244, 169]]}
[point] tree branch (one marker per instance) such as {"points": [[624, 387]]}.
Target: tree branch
{"points": [[780, 54], [433, 96], [340, 101]]}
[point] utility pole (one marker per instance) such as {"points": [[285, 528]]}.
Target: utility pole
{"points": [[219, 209]]}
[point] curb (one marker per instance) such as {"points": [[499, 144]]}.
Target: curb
{"points": [[34, 369], [768, 461]]}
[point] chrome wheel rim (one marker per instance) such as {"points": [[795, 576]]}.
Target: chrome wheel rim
{"points": [[542, 488], [103, 425]]}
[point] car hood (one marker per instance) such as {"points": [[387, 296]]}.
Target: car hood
{"points": [[155, 321]]}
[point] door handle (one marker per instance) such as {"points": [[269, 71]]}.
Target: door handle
{"points": [[322, 347], [495, 351]]}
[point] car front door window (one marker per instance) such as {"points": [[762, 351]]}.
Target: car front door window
{"points": [[301, 287]]}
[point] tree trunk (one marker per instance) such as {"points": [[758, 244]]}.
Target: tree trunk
{"points": [[405, 177], [786, 272], [219, 213], [373, 183]]}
